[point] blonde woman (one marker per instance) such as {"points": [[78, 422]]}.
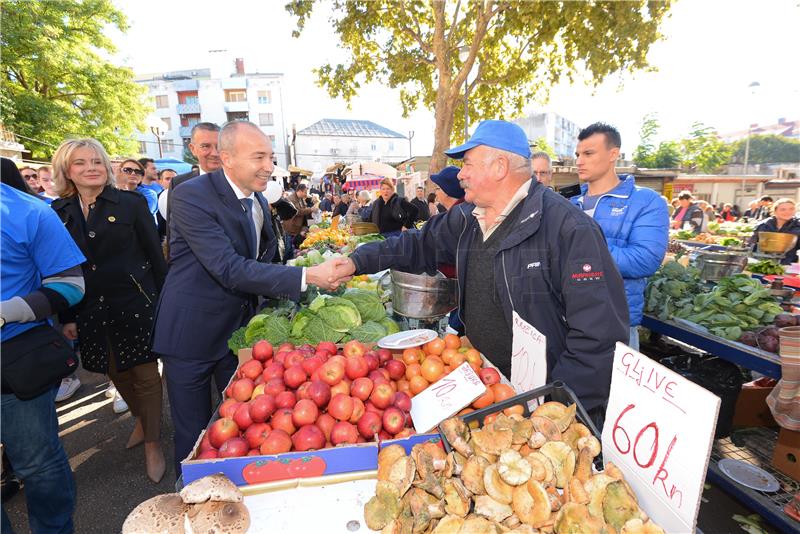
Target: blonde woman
{"points": [[392, 213], [783, 220], [124, 273]]}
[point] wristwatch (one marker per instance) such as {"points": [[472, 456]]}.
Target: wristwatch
{"points": [[2, 321]]}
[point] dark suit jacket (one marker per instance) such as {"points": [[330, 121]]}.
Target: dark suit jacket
{"points": [[214, 280], [176, 181]]}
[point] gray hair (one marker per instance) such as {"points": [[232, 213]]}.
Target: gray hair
{"points": [[207, 126], [229, 131], [517, 164], [364, 196], [542, 155]]}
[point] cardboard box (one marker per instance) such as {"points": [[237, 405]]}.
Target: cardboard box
{"points": [[751, 407], [786, 457]]}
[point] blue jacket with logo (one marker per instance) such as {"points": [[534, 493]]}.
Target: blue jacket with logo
{"points": [[554, 269], [635, 221]]}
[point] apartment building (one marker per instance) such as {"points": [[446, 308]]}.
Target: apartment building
{"points": [[559, 132]]}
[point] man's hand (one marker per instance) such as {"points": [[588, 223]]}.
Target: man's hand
{"points": [[331, 274], [70, 331]]}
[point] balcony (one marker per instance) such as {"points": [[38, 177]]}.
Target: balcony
{"points": [[188, 109], [186, 131], [231, 107]]}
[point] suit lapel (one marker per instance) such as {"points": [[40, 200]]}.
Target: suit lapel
{"points": [[267, 232], [230, 200]]}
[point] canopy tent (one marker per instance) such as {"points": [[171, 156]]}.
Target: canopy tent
{"points": [[362, 184], [177, 165], [280, 172], [374, 168], [298, 170]]}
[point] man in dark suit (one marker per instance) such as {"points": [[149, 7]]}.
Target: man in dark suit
{"points": [[203, 146], [220, 254]]}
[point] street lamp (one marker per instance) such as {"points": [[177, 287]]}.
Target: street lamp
{"points": [[753, 87], [463, 55], [158, 127]]}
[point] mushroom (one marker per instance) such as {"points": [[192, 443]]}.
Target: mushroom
{"points": [[211, 488], [384, 507], [457, 434], [492, 509], [531, 503], [583, 465], [563, 459], [472, 474], [218, 518], [637, 526], [386, 459], [401, 474], [163, 514], [457, 497], [492, 440], [496, 486], [546, 426], [562, 415], [513, 468], [450, 524], [575, 518]]}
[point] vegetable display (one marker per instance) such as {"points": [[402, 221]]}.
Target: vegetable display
{"points": [[766, 267]]}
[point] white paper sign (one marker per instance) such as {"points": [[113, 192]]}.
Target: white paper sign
{"points": [[658, 430], [445, 397], [528, 356]]}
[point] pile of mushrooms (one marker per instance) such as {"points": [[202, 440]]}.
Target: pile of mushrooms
{"points": [[210, 505], [515, 474]]}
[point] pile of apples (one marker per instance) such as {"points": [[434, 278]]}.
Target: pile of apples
{"points": [[306, 398]]}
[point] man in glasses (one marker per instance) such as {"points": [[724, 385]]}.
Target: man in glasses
{"points": [[31, 178], [542, 168]]}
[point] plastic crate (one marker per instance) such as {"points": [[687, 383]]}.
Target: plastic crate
{"points": [[557, 391]]}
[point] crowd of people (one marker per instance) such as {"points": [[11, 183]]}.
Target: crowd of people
{"points": [[143, 266]]}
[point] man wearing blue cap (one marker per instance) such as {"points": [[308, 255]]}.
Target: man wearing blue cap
{"points": [[524, 256]]}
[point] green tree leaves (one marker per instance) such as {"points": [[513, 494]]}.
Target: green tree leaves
{"points": [[56, 83]]}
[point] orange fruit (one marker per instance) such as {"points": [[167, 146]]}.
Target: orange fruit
{"points": [[418, 384], [435, 346], [525, 450], [410, 356], [516, 409], [413, 370], [403, 385], [475, 367], [484, 400], [452, 341], [489, 419], [473, 356], [457, 359], [465, 410], [432, 369], [502, 392], [448, 355]]}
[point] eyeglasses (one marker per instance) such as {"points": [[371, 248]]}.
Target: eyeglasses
{"points": [[541, 173], [130, 170], [29, 176]]}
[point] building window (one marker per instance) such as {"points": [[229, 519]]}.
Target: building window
{"points": [[334, 152], [162, 101], [192, 100], [142, 147], [235, 95], [264, 97], [167, 145], [168, 122], [237, 116], [354, 149], [391, 146], [373, 147], [265, 119]]}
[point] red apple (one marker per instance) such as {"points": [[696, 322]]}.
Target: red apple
{"points": [[254, 452], [331, 372], [256, 434], [384, 355], [396, 369], [384, 435], [393, 420], [305, 412], [402, 400], [342, 387], [259, 380], [295, 357], [205, 444], [208, 455], [285, 399], [242, 389], [242, 417], [228, 407], [344, 432], [221, 431], [369, 407], [354, 348], [325, 422], [307, 438], [261, 408], [320, 393], [302, 391], [361, 388], [489, 376], [277, 442], [285, 347], [379, 377], [358, 410], [259, 389], [282, 420], [273, 369], [372, 361], [382, 396], [341, 407], [338, 358], [250, 369], [312, 364], [406, 432], [234, 447], [328, 346], [369, 425], [294, 375], [262, 350], [356, 367], [273, 386]]}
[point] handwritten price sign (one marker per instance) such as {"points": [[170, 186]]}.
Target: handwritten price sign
{"points": [[659, 429], [528, 356], [445, 397]]}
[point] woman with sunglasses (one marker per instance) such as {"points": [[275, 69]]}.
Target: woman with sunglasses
{"points": [[124, 273], [129, 177]]}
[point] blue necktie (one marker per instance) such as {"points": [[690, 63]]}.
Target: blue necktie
{"points": [[251, 228]]}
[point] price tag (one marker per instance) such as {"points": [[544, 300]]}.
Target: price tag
{"points": [[445, 398], [659, 430], [528, 356]]}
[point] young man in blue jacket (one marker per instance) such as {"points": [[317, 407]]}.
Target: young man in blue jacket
{"points": [[635, 220], [519, 247]]}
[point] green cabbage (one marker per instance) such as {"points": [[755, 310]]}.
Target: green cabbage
{"points": [[317, 330], [390, 326], [273, 328], [340, 317], [369, 305], [368, 332]]}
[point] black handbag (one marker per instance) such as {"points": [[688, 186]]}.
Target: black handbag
{"points": [[35, 361]]}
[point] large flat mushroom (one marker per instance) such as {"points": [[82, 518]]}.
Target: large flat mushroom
{"points": [[218, 518], [211, 488], [163, 514]]}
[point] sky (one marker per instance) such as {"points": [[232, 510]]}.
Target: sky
{"points": [[711, 52]]}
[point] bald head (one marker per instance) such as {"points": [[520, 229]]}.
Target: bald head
{"points": [[246, 155], [231, 131]]}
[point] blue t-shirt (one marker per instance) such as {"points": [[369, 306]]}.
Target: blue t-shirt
{"points": [[35, 245], [155, 187], [151, 197]]}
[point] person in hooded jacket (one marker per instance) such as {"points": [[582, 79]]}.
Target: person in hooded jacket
{"points": [[392, 213], [783, 221]]}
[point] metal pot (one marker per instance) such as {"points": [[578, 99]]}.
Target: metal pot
{"points": [[420, 296], [716, 265], [776, 242]]}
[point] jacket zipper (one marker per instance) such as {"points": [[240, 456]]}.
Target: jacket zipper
{"points": [[458, 278]]}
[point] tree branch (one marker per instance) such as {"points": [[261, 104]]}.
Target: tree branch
{"points": [[417, 36], [455, 20]]}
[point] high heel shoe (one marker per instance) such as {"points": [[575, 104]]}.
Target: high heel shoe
{"points": [[137, 436], [154, 460]]}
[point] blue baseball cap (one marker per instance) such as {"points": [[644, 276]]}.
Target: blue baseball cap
{"points": [[447, 180], [496, 134]]}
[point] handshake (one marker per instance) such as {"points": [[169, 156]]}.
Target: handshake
{"points": [[331, 274]]}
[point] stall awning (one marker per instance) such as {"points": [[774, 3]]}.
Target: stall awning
{"points": [[362, 184], [298, 170]]}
